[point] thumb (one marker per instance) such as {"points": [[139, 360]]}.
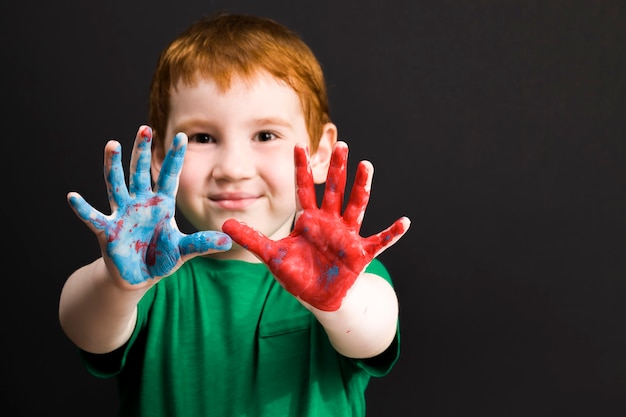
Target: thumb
{"points": [[202, 243], [249, 238]]}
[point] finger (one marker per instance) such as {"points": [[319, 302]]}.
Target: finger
{"points": [[92, 217], [336, 181], [114, 175], [250, 239], [305, 187], [139, 180], [201, 243], [359, 196], [167, 182], [376, 244]]}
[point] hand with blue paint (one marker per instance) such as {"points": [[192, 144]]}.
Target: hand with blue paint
{"points": [[324, 254], [140, 240]]}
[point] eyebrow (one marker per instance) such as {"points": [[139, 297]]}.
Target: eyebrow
{"points": [[188, 124], [199, 123], [272, 121]]}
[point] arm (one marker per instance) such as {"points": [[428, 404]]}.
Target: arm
{"points": [[322, 261], [140, 244], [366, 323], [95, 313]]}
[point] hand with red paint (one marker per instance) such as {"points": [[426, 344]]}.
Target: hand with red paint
{"points": [[140, 240], [324, 254]]}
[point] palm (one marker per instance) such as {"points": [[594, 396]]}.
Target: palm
{"points": [[324, 254], [140, 237]]}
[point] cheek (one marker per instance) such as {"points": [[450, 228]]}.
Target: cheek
{"points": [[183, 183], [190, 175], [281, 175], [283, 188]]}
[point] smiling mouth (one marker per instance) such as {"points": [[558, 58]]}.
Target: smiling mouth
{"points": [[234, 202]]}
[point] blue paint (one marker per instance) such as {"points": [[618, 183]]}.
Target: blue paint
{"points": [[172, 165], [203, 241], [329, 276], [282, 253], [140, 180], [142, 242]]}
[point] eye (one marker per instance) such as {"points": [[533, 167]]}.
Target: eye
{"points": [[201, 138], [265, 136]]}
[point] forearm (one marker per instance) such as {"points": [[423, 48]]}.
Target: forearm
{"points": [[97, 315], [366, 323]]}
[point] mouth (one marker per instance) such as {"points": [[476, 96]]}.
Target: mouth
{"points": [[234, 201]]}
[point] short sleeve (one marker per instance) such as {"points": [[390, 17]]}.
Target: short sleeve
{"points": [[107, 365]]}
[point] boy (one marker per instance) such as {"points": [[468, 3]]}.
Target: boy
{"points": [[291, 317]]}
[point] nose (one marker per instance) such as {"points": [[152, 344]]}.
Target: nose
{"points": [[233, 162]]}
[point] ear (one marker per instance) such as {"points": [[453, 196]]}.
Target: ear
{"points": [[320, 160]]}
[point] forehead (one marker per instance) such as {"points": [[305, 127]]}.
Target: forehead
{"points": [[246, 102], [261, 91]]}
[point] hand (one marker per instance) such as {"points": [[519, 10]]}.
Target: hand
{"points": [[324, 254], [140, 240]]}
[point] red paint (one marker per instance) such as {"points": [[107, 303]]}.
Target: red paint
{"points": [[113, 232], [146, 133], [140, 246], [324, 254], [153, 201], [222, 241], [151, 250]]}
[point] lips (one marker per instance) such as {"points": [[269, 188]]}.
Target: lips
{"points": [[234, 201]]}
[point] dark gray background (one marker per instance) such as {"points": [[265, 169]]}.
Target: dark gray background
{"points": [[496, 126]]}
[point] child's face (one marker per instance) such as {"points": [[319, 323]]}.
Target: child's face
{"points": [[239, 160]]}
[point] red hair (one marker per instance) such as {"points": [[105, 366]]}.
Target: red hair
{"points": [[226, 46]]}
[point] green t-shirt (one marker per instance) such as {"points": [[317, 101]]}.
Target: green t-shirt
{"points": [[223, 338]]}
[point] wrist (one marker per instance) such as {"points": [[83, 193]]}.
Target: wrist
{"points": [[366, 322]]}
